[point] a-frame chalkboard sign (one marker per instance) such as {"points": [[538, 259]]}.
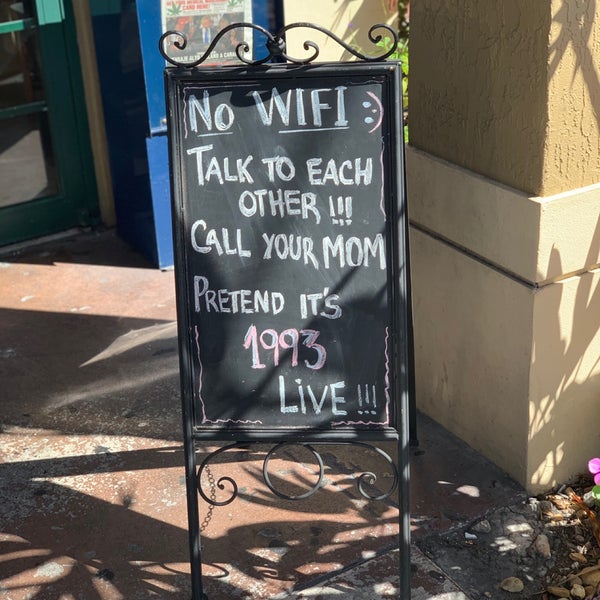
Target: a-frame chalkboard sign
{"points": [[289, 222]]}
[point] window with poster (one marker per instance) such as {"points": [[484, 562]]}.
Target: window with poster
{"points": [[200, 23]]}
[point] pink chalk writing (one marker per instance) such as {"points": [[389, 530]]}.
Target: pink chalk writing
{"points": [[270, 340]]}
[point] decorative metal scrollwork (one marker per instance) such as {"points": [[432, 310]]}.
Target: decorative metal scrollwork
{"points": [[364, 481], [211, 497], [275, 44], [280, 494], [370, 478]]}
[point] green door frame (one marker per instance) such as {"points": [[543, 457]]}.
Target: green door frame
{"points": [[76, 203]]}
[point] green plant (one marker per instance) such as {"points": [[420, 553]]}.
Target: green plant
{"points": [[400, 54], [403, 19], [174, 10]]}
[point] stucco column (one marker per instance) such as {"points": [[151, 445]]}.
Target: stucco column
{"points": [[504, 198]]}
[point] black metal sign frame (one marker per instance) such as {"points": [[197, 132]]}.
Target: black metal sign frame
{"points": [[208, 180]]}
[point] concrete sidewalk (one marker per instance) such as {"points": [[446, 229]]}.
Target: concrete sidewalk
{"points": [[92, 492]]}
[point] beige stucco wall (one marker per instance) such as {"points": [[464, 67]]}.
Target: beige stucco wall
{"points": [[503, 226], [512, 371], [573, 97], [472, 343], [504, 200], [564, 388], [502, 83], [506, 292], [350, 20]]}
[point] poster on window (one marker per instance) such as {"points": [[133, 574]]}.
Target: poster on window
{"points": [[201, 21]]}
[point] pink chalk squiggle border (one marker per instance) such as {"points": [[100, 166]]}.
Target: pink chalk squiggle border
{"points": [[205, 419], [386, 392]]}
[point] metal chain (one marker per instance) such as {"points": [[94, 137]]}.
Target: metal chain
{"points": [[213, 497]]}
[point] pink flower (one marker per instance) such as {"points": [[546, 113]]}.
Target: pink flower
{"points": [[594, 469]]}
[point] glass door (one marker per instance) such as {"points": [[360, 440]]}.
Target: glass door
{"points": [[46, 168]]}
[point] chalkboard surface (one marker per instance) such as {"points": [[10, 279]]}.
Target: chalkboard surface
{"points": [[289, 228]]}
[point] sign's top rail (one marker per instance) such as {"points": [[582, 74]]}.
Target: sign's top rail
{"points": [[275, 44]]}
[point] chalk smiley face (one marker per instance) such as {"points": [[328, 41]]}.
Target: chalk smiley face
{"points": [[374, 109]]}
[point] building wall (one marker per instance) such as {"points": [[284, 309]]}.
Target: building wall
{"points": [[504, 201], [502, 83], [564, 384], [573, 97], [472, 345], [349, 20], [506, 292]]}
